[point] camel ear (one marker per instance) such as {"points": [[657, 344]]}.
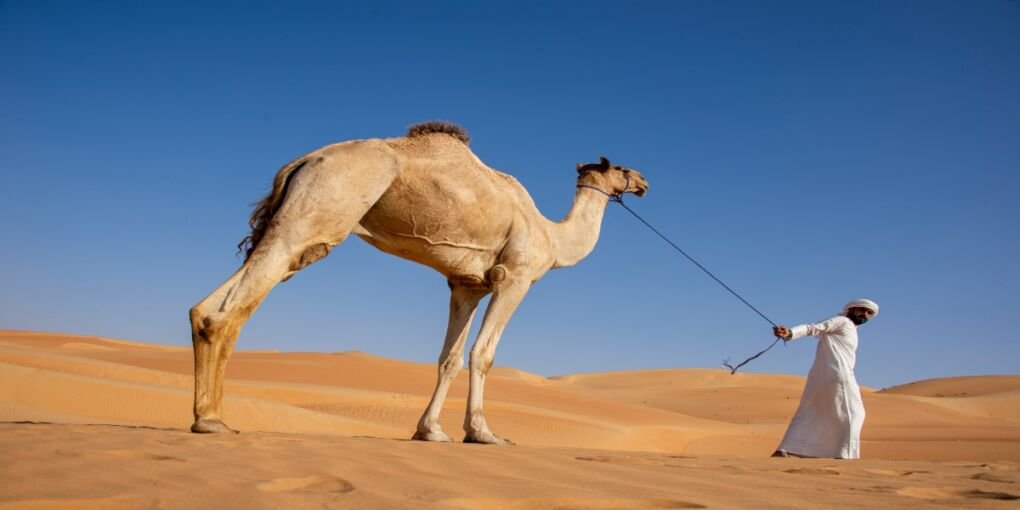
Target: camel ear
{"points": [[604, 162], [579, 167]]}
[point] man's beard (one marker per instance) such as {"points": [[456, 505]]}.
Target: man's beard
{"points": [[858, 319]]}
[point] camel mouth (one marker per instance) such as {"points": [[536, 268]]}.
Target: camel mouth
{"points": [[638, 184]]}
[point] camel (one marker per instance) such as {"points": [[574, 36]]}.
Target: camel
{"points": [[424, 197]]}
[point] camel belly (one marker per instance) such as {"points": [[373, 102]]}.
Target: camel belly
{"points": [[460, 260], [444, 218]]}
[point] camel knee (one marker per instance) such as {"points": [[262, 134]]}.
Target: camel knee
{"points": [[451, 364], [481, 362], [197, 316], [209, 328]]}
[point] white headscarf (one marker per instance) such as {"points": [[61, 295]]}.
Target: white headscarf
{"points": [[861, 303]]}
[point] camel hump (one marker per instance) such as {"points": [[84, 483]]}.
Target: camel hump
{"points": [[439, 126]]}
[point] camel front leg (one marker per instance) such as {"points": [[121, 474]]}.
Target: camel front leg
{"points": [[505, 299], [463, 303]]}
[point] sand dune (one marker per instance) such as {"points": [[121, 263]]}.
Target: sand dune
{"points": [[87, 409], [959, 386]]}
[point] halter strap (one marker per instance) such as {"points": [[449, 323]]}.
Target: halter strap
{"points": [[618, 197]]}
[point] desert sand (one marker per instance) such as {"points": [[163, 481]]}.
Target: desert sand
{"points": [[90, 423]]}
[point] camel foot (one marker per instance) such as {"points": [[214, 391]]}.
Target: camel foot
{"points": [[437, 436], [206, 426], [486, 437]]}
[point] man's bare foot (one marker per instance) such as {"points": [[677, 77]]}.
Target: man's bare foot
{"points": [[784, 453]]}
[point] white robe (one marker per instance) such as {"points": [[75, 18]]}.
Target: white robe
{"points": [[831, 413]]}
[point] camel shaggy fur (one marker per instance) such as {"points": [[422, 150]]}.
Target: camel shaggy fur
{"points": [[424, 197]]}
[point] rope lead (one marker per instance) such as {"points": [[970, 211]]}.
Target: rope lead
{"points": [[618, 198]]}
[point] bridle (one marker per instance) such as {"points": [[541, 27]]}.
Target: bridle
{"points": [[615, 197]]}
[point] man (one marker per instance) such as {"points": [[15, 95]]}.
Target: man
{"points": [[830, 415]]}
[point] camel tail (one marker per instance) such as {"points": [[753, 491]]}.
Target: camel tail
{"points": [[266, 208]]}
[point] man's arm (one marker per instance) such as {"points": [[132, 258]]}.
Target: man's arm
{"points": [[804, 330]]}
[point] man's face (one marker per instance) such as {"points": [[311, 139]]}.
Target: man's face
{"points": [[859, 315]]}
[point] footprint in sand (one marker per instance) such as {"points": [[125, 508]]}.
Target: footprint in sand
{"points": [[135, 454], [893, 472], [881, 489], [988, 477], [1002, 466], [567, 504], [620, 460], [937, 494], [641, 461], [314, 483], [625, 504], [812, 471]]}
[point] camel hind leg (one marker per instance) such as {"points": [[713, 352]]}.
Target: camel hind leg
{"points": [[322, 207], [216, 323]]}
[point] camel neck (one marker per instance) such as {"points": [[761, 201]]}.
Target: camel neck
{"points": [[575, 237]]}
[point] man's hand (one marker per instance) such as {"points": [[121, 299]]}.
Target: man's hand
{"points": [[782, 332]]}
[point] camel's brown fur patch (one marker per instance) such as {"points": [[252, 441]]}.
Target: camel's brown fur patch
{"points": [[439, 126]]}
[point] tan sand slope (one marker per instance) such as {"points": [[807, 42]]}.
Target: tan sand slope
{"points": [[77, 379], [959, 386], [116, 415], [91, 467]]}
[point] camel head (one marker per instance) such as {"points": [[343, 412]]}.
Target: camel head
{"points": [[611, 179]]}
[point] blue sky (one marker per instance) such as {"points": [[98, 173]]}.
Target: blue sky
{"points": [[805, 152]]}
